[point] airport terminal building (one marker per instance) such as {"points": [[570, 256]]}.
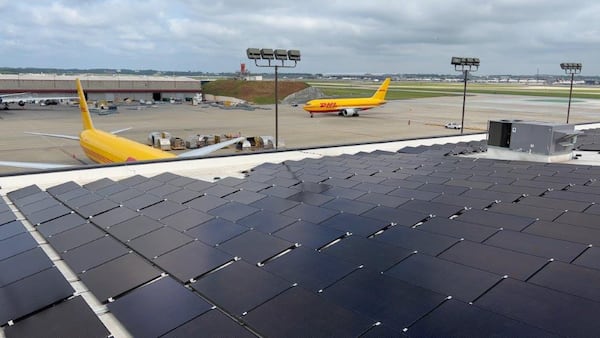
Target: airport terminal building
{"points": [[116, 88]]}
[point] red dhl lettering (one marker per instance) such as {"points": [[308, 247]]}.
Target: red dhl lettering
{"points": [[328, 105]]}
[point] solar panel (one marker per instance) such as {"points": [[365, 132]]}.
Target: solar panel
{"points": [[496, 220], [125, 195], [192, 261], [34, 293], [537, 245], [199, 185], [361, 251], [206, 203], [99, 184], [286, 315], [266, 221], [141, 201], [148, 185], [253, 186], [94, 253], [309, 234], [274, 204], [496, 260], [36, 197], [112, 189], [96, 208], [590, 258], [558, 204], [433, 208], [220, 190], [11, 229], [568, 278], [158, 242], [348, 206], [114, 216], [182, 196], [16, 244], [310, 213], [254, 246], [133, 180], [186, 219], [166, 177], [354, 224], [258, 287], [82, 200], [462, 201], [310, 198], [553, 311], [455, 318], [75, 237], [62, 188], [143, 310], [578, 218], [134, 227], [48, 214], [414, 194], [458, 229], [216, 231], [182, 181], [38, 205], [384, 200], [383, 298], [72, 194], [7, 217], [399, 216], [20, 193], [74, 315], [233, 211], [22, 265], [163, 190], [448, 278], [211, 324], [60, 224], [441, 188], [573, 233], [309, 269], [118, 276], [278, 191], [163, 209]]}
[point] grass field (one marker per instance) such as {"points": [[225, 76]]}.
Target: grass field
{"points": [[412, 90]]}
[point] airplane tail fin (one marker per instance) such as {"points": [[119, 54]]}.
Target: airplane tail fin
{"points": [[382, 90], [85, 113]]}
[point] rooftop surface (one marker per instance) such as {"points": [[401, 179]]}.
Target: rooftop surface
{"points": [[402, 239]]}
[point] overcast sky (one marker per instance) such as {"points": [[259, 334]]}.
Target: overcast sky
{"points": [[345, 36]]}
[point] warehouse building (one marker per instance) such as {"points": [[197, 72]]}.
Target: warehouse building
{"points": [[116, 88]]}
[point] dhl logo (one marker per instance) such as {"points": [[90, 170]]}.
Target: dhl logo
{"points": [[328, 105]]}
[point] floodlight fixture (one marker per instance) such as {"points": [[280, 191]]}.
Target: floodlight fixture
{"points": [[570, 68], [275, 59], [253, 53], [281, 54], [267, 54], [464, 65], [294, 55]]}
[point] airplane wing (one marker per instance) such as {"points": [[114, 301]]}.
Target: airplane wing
{"points": [[20, 98], [209, 149], [69, 137], [120, 130], [33, 165]]}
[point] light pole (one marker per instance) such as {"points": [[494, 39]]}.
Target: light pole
{"points": [[570, 68], [464, 65], [274, 56]]}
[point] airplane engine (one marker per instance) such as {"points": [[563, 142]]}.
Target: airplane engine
{"points": [[22, 103], [350, 112]]}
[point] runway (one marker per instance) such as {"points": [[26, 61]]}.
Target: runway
{"points": [[402, 119]]}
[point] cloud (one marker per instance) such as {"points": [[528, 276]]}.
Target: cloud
{"points": [[412, 36]]}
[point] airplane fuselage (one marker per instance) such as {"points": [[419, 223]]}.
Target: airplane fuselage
{"points": [[337, 105], [102, 147]]}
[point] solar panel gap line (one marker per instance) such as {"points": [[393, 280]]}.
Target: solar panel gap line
{"points": [[231, 193], [505, 277], [380, 231], [116, 297], [148, 206], [407, 328], [400, 261], [557, 217], [224, 265], [586, 249], [419, 223], [267, 300], [491, 205], [277, 255], [339, 279], [492, 235], [450, 247], [327, 245], [540, 269], [46, 221]]}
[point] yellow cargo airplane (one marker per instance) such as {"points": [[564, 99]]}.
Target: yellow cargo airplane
{"points": [[348, 106], [103, 147]]}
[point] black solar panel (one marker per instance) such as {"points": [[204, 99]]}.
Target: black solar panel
{"points": [[554, 311], [159, 242], [569, 278], [211, 324], [75, 237], [33, 293], [192, 260], [186, 219], [383, 298], [93, 254], [266, 221], [163, 209], [134, 227], [22, 265], [448, 278], [458, 229], [143, 310], [16, 244], [590, 258], [118, 276], [233, 211], [309, 234], [255, 247], [496, 260], [11, 229], [113, 216], [71, 318], [258, 286], [216, 231]]}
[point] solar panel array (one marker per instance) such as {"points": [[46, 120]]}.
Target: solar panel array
{"points": [[375, 244]]}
